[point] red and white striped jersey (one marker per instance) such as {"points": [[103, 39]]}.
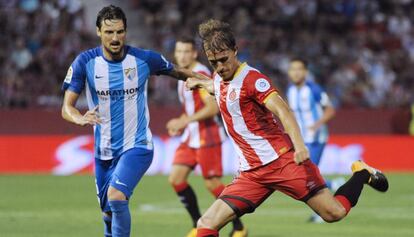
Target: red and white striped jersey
{"points": [[207, 132], [257, 137]]}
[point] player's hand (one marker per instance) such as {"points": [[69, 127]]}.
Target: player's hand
{"points": [[91, 117], [191, 83], [314, 127], [301, 155], [176, 125]]}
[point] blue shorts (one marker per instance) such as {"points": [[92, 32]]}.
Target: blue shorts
{"points": [[315, 150], [122, 173]]}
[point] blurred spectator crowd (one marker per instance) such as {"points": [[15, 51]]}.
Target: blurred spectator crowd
{"points": [[40, 40], [360, 51]]}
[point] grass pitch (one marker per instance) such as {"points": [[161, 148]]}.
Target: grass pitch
{"points": [[43, 206]]}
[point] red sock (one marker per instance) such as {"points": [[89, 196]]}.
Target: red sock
{"points": [[217, 191], [180, 187], [345, 202], [203, 232]]}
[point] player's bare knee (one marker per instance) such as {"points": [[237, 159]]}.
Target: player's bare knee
{"points": [[172, 180], [212, 183], [334, 214], [175, 180], [205, 222], [115, 194]]}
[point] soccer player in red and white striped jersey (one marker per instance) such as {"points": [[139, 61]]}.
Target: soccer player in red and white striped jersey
{"points": [[201, 139], [271, 158]]}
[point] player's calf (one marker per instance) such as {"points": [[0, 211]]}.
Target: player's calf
{"points": [[121, 217], [333, 214], [107, 218], [327, 206]]}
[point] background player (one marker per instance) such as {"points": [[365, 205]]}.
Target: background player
{"points": [[201, 139], [115, 76], [269, 159], [312, 109]]}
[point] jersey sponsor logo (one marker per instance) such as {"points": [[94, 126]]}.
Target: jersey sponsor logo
{"points": [[98, 77], [262, 85], [117, 94], [130, 73], [69, 75], [232, 95]]}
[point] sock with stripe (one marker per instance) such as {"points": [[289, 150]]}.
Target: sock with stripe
{"points": [[204, 232], [121, 218], [189, 199], [348, 194]]}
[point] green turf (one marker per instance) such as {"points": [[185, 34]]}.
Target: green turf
{"points": [[66, 206]]}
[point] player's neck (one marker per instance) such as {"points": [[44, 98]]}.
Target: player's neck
{"points": [[238, 68], [300, 84], [192, 65], [113, 57]]}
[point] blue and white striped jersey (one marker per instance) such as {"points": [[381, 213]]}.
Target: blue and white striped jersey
{"points": [[307, 103], [119, 88]]}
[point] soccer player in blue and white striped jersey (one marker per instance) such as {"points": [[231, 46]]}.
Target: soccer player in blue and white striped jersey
{"points": [[115, 78], [312, 109]]}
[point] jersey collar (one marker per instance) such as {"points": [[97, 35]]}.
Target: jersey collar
{"points": [[239, 69], [126, 49]]}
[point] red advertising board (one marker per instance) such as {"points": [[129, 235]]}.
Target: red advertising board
{"points": [[63, 155]]}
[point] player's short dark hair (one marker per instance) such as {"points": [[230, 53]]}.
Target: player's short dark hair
{"points": [[110, 12], [187, 40], [299, 59], [216, 36]]}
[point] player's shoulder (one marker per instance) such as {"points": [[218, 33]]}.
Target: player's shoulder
{"points": [[256, 81], [253, 75], [313, 86], [290, 87], [141, 53], [89, 54], [201, 68]]}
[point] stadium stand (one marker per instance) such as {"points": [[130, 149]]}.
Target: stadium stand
{"points": [[361, 51]]}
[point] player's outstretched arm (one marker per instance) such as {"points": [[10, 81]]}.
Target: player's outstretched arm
{"points": [[71, 114], [181, 73], [210, 109], [194, 83], [278, 107]]}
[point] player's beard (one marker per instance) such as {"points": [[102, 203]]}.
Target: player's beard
{"points": [[117, 52]]}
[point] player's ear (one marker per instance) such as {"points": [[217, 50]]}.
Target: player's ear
{"points": [[98, 32], [236, 49]]}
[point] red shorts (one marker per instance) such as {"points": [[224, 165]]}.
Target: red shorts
{"points": [[252, 187], [209, 159]]}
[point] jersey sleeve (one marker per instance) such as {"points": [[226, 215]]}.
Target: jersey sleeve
{"points": [[260, 87], [158, 64], [76, 75]]}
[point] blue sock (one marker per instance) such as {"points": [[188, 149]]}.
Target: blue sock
{"points": [[121, 218], [108, 223]]}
